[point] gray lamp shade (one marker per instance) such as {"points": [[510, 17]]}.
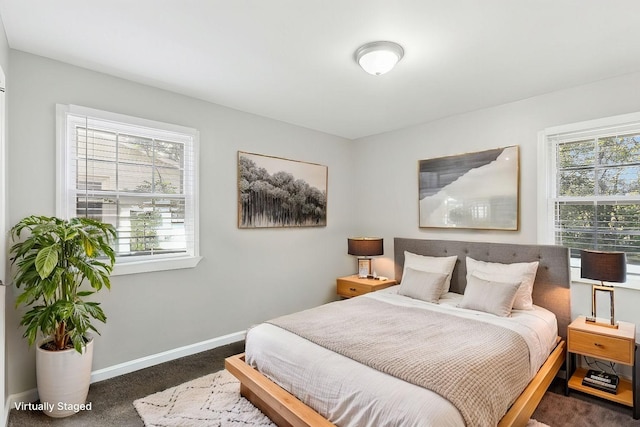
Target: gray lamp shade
{"points": [[365, 246], [603, 266]]}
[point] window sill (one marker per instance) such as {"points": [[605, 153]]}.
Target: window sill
{"points": [[633, 280], [148, 266]]}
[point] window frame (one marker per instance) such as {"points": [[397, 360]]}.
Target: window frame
{"points": [[547, 178], [66, 191]]}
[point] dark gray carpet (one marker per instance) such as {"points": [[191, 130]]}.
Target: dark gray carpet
{"points": [[581, 410], [112, 400]]}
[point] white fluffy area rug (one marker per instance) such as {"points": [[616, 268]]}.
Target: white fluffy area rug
{"points": [[534, 423], [212, 400]]}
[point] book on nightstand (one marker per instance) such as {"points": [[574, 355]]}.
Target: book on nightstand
{"points": [[601, 380]]}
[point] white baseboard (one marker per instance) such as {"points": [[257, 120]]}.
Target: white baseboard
{"points": [[134, 365], [165, 356], [25, 396], [5, 413]]}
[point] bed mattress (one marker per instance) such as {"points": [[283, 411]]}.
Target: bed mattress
{"points": [[352, 394]]}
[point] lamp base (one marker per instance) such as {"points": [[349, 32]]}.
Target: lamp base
{"points": [[364, 267], [594, 321]]}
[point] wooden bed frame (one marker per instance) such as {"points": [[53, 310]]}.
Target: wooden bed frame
{"points": [[551, 290]]}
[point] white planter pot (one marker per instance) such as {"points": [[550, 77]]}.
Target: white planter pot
{"points": [[63, 379]]}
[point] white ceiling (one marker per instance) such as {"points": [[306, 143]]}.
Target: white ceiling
{"points": [[292, 60]]}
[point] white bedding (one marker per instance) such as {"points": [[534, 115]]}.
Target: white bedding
{"points": [[351, 394]]}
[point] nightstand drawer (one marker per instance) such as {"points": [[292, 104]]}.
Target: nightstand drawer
{"points": [[599, 346], [352, 286], [350, 289]]}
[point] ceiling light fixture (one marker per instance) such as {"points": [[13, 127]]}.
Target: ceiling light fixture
{"points": [[379, 57]]}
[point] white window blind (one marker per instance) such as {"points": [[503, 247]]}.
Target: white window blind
{"points": [[594, 187], [138, 175]]}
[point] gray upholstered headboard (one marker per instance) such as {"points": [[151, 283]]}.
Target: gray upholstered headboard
{"points": [[553, 279]]}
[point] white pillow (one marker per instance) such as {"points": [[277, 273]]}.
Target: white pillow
{"points": [[489, 296], [522, 272], [422, 285], [431, 264]]}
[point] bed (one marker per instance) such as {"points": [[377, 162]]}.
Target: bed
{"points": [[297, 381]]}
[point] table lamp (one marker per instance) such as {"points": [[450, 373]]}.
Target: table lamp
{"points": [[365, 247], [605, 267]]}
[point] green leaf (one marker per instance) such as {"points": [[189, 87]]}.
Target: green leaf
{"points": [[88, 247], [52, 260], [46, 261], [85, 293]]}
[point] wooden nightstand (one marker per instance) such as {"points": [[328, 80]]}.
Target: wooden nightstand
{"points": [[352, 286], [609, 344]]}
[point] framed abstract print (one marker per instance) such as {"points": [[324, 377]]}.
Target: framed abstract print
{"points": [[474, 190]]}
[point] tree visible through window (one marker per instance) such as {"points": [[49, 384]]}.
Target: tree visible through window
{"points": [[595, 190], [139, 179]]}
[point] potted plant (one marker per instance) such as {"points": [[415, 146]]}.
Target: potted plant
{"points": [[53, 260]]}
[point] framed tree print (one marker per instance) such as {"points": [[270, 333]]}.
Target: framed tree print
{"points": [[277, 192]]}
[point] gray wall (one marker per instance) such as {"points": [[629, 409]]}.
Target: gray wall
{"points": [[4, 48], [249, 275], [4, 62], [393, 186], [395, 182], [246, 276]]}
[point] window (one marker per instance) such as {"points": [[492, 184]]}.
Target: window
{"points": [[138, 175], [592, 171]]}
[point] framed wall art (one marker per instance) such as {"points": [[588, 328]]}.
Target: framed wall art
{"points": [[277, 192], [474, 190]]}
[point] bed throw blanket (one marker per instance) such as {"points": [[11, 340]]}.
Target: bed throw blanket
{"points": [[479, 367]]}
